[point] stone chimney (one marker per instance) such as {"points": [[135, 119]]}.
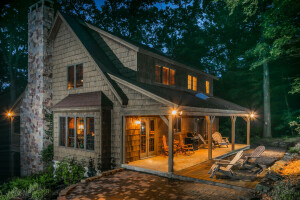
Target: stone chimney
{"points": [[38, 94]]}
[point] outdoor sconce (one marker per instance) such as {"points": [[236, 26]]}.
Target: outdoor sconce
{"points": [[9, 114], [81, 127], [174, 112], [252, 115], [137, 122]]}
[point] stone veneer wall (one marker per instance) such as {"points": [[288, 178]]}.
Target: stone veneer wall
{"points": [[37, 99]]}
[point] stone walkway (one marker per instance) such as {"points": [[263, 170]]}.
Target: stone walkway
{"points": [[135, 185]]}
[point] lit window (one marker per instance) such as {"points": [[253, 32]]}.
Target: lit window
{"points": [[80, 132], [172, 77], [83, 134], [90, 133], [164, 75], [71, 131], [207, 87], [75, 76], [62, 131], [192, 83]]}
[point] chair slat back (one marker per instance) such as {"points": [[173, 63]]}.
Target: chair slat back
{"points": [[234, 160], [258, 151], [217, 137], [202, 139]]}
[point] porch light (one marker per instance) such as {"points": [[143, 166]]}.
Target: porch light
{"points": [[174, 112], [252, 115], [9, 114], [137, 122]]}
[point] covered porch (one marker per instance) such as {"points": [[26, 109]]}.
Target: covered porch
{"points": [[154, 142]]}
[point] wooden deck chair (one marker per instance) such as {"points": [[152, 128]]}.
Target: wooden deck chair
{"points": [[219, 140], [255, 154], [205, 142], [224, 166], [187, 149]]}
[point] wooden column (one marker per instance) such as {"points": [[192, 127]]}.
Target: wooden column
{"points": [[233, 119], [170, 142], [210, 120], [123, 139], [247, 119]]}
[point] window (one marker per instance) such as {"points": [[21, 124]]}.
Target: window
{"points": [[207, 87], [81, 137], [157, 74], [62, 131], [164, 75], [75, 76], [80, 132], [90, 133], [71, 131], [192, 82]]}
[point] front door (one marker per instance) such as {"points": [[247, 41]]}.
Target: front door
{"points": [[148, 147]]}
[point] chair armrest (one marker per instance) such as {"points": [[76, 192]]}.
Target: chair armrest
{"points": [[222, 160], [223, 163], [225, 137]]}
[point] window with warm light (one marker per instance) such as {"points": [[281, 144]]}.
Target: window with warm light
{"points": [[192, 82], [75, 76], [207, 87], [77, 132], [164, 75]]}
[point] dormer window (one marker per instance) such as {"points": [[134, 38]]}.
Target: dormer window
{"points": [[207, 87], [164, 75], [192, 82], [75, 76]]}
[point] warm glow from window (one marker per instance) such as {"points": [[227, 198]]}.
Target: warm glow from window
{"points": [[189, 82], [166, 75], [207, 87], [172, 77], [192, 83]]}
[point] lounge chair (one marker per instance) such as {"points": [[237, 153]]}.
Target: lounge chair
{"points": [[165, 147], [205, 142], [255, 154], [219, 140], [187, 149], [224, 166]]}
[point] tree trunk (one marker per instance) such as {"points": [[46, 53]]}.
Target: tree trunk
{"points": [[267, 110]]}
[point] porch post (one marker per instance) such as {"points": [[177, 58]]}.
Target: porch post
{"points": [[170, 142], [248, 131], [232, 118], [123, 139], [247, 119], [210, 120]]}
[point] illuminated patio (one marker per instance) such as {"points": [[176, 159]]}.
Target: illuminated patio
{"points": [[181, 161]]}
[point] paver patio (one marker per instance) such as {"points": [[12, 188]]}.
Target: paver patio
{"points": [[136, 185]]}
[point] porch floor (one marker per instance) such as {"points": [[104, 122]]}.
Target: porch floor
{"points": [[181, 162]]}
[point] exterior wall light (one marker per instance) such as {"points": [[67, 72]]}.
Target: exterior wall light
{"points": [[9, 114], [174, 112], [137, 122]]}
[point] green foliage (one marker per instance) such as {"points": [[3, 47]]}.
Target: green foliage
{"points": [[41, 194], [47, 154], [286, 190], [69, 171], [20, 183], [295, 149], [15, 192], [91, 168]]}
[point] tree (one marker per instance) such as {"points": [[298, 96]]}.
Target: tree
{"points": [[279, 39]]}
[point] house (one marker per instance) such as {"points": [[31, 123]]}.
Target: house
{"points": [[113, 100]]}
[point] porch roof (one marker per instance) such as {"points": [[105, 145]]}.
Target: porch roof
{"points": [[90, 99], [184, 98]]}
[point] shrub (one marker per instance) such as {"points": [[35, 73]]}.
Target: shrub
{"points": [[40, 194], [295, 149], [14, 193], [69, 171], [20, 183], [285, 190], [91, 168], [47, 154]]}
